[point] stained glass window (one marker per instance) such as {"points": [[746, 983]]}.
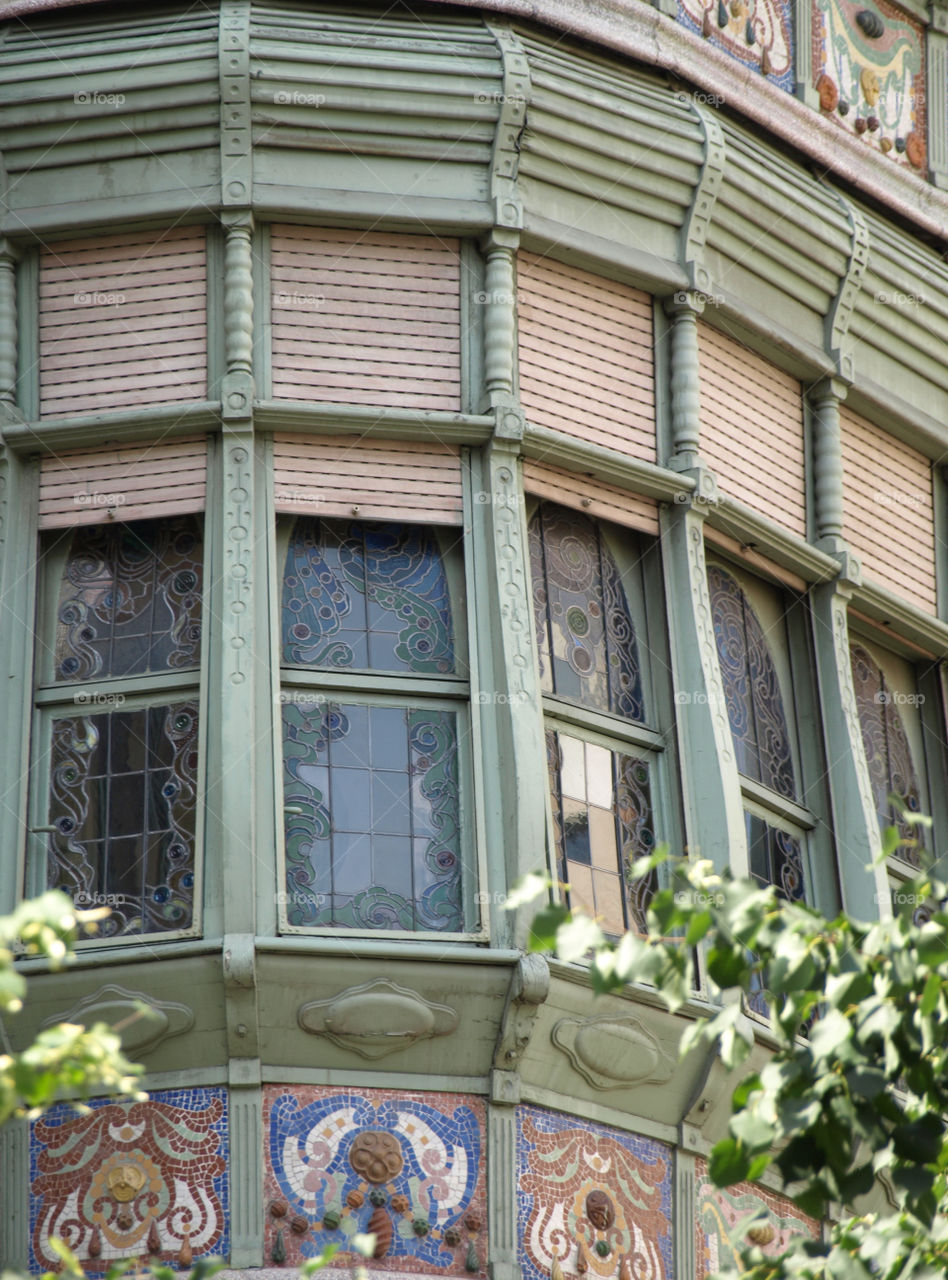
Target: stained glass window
{"points": [[586, 639], [886, 745], [372, 804], [363, 596], [122, 801], [774, 857], [602, 821], [130, 600], [751, 688]]}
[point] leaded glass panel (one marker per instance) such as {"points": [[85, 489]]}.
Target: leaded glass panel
{"points": [[372, 822], [602, 819], [366, 597], [751, 688], [585, 634], [888, 755], [130, 600], [123, 800], [774, 857]]}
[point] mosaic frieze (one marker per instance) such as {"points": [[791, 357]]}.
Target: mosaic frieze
{"points": [[408, 1168], [756, 32], [719, 1212], [869, 72], [131, 1179], [593, 1201]]}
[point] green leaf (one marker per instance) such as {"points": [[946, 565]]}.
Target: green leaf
{"points": [[527, 889], [727, 966], [728, 1163], [544, 927], [577, 936]]}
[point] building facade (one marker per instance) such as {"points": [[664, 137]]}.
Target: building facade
{"points": [[441, 442]]}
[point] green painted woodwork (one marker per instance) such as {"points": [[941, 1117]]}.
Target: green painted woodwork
{"points": [[714, 821]]}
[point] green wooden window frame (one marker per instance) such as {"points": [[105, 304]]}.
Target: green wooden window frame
{"points": [[405, 690], [637, 559], [56, 700]]}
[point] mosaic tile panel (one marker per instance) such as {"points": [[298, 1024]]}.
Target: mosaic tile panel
{"points": [[869, 70], [409, 1167], [130, 1179], [718, 1212], [758, 33], [596, 1200]]}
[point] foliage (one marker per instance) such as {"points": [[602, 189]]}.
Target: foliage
{"points": [[856, 1089], [65, 1060]]}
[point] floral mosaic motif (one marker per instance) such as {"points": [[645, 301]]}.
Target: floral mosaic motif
{"points": [[752, 691], [869, 72], [585, 634], [888, 754], [594, 1200], [366, 596], [123, 788], [602, 822], [372, 828], [758, 33], [720, 1211], [410, 1168], [130, 1179], [130, 600]]}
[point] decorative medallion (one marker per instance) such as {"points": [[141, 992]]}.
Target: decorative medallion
{"points": [[592, 1201], [874, 58], [612, 1052], [130, 1179], [141, 1022], [377, 1018], [409, 1169]]}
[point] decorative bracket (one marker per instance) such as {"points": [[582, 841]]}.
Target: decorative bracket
{"points": [[513, 98], [235, 130], [694, 233], [836, 323], [240, 985], [529, 988]]}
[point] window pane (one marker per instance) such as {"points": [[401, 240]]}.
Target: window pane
{"points": [[376, 841], [602, 822], [584, 629], [891, 769], [751, 689], [122, 796], [774, 857], [366, 596], [130, 600]]}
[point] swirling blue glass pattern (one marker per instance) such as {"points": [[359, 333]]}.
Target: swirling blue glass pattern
{"points": [[368, 597], [130, 600], [586, 638], [751, 688], [372, 816]]}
